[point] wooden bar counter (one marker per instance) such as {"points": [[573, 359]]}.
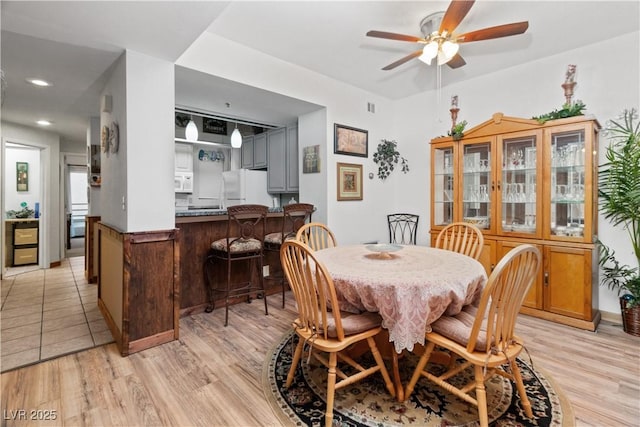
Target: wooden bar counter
{"points": [[198, 229]]}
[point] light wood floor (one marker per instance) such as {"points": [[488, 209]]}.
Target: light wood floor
{"points": [[212, 375]]}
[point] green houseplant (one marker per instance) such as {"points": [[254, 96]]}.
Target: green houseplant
{"points": [[386, 157], [619, 193]]}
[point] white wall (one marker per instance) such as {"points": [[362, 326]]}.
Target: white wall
{"points": [[604, 83], [49, 143], [12, 197], [312, 131], [607, 83], [351, 221], [137, 181]]}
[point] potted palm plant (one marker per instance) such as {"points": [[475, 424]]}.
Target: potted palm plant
{"points": [[619, 193]]}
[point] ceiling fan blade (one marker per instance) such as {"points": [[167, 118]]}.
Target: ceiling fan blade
{"points": [[456, 62], [455, 13], [494, 32], [394, 36], [403, 60]]}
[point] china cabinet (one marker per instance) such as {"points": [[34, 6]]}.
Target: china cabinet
{"points": [[525, 182]]}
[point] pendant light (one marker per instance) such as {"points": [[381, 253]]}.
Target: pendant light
{"points": [[191, 131], [236, 138]]}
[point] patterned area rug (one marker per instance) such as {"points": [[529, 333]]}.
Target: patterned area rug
{"points": [[367, 403]]}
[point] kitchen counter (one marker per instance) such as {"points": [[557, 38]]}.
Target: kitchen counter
{"points": [[200, 227]]}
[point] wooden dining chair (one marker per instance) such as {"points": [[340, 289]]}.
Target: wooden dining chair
{"points": [[403, 228], [295, 215], [317, 236], [461, 237], [484, 335], [325, 330]]}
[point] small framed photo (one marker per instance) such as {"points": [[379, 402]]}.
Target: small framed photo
{"points": [[350, 141], [209, 125], [311, 159], [22, 176], [349, 181]]}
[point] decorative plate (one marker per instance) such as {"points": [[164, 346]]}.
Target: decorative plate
{"points": [[382, 250]]}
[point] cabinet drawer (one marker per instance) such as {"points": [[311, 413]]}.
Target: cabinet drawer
{"points": [[25, 236], [25, 256]]}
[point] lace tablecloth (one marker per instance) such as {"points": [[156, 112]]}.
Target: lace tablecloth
{"points": [[410, 291]]}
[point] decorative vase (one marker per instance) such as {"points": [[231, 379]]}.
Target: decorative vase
{"points": [[630, 317]]}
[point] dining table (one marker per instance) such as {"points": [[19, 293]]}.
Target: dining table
{"points": [[409, 286]]}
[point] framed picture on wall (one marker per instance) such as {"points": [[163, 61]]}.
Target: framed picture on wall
{"points": [[311, 159], [349, 181], [350, 141], [22, 176]]}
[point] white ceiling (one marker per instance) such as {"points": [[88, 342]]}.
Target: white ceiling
{"points": [[74, 43]]}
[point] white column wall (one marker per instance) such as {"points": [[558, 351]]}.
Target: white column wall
{"points": [[137, 181]]}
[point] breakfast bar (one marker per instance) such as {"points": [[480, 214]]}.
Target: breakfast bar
{"points": [[198, 228]]}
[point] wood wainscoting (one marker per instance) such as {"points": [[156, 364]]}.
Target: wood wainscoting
{"points": [[139, 286], [91, 248]]}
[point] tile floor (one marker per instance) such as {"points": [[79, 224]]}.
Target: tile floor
{"points": [[47, 313]]}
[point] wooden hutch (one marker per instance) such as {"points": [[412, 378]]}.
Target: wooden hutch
{"points": [[525, 182]]}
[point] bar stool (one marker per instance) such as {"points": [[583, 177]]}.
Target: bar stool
{"points": [[244, 241], [295, 216]]}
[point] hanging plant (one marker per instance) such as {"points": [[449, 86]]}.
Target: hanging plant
{"points": [[457, 132], [386, 157]]}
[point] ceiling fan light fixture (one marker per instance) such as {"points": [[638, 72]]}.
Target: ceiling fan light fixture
{"points": [[429, 52], [236, 138], [191, 131], [450, 49]]}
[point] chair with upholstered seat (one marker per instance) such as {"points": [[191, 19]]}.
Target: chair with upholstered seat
{"points": [[403, 228], [461, 237], [484, 335], [244, 242], [325, 330], [295, 215], [317, 236]]}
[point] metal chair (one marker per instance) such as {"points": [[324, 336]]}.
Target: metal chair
{"points": [[244, 241], [295, 216], [403, 228], [483, 336]]}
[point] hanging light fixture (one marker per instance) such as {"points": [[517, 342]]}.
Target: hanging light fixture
{"points": [[236, 138], [191, 131], [429, 52]]}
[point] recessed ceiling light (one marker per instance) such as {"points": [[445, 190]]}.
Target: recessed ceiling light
{"points": [[44, 122], [39, 82]]}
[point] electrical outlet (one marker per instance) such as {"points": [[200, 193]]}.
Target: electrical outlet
{"points": [[265, 270]]}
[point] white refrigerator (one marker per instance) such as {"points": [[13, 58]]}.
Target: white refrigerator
{"points": [[245, 186]]}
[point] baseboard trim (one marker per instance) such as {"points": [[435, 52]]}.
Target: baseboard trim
{"points": [[611, 317]]}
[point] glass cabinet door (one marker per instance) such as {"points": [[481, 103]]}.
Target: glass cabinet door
{"points": [[568, 192], [477, 184], [519, 181], [443, 186]]}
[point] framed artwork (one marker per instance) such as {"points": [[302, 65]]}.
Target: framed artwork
{"points": [[210, 125], [182, 120], [349, 181], [22, 176], [311, 159], [350, 141]]}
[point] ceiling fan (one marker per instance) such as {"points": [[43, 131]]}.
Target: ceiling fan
{"points": [[441, 42]]}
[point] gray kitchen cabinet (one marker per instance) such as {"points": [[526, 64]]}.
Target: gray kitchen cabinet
{"points": [[260, 151], [247, 152], [282, 151], [254, 151]]}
